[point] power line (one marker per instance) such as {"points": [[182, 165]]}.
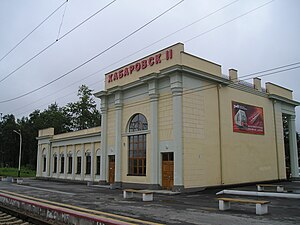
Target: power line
{"points": [[23, 39], [94, 57], [210, 86], [169, 36], [229, 21], [54, 42], [202, 88], [194, 22], [62, 19]]}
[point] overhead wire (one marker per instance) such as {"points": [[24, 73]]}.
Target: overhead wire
{"points": [[194, 22], [94, 57], [263, 73], [184, 27], [54, 42], [229, 21], [40, 24], [62, 19], [202, 88]]}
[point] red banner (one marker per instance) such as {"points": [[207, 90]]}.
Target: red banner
{"points": [[247, 118]]}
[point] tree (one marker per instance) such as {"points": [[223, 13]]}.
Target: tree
{"points": [[9, 141], [75, 116], [83, 114]]}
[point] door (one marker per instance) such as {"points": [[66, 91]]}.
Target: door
{"points": [[167, 170], [111, 175]]}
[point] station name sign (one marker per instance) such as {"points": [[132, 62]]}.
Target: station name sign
{"points": [[139, 65]]}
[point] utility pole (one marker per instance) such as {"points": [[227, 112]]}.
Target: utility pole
{"points": [[20, 153]]}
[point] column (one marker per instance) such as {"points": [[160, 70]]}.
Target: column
{"points": [[58, 163], [48, 168], [66, 162], [38, 162], [82, 162], [92, 161], [104, 158], [154, 152], [118, 138], [73, 162], [51, 163], [176, 87], [293, 147]]}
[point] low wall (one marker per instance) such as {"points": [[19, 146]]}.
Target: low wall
{"points": [[47, 211]]}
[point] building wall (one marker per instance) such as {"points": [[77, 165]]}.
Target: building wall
{"points": [[247, 157], [201, 134], [191, 102]]}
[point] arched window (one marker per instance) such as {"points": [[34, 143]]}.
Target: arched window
{"points": [[70, 164], [138, 123], [55, 163], [78, 159], [98, 162], [137, 145], [88, 163], [44, 160]]}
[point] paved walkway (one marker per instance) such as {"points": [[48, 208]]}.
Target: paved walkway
{"points": [[189, 208]]}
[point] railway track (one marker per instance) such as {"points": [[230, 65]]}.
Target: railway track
{"points": [[10, 216], [7, 219]]}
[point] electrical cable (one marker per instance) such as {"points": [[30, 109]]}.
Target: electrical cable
{"points": [[3, 57], [50, 45], [229, 21], [168, 36], [194, 22], [94, 57], [208, 86], [62, 19]]}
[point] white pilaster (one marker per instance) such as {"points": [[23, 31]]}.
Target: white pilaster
{"points": [[82, 162], [104, 157], [176, 87], [92, 161], [58, 164], [293, 147], [73, 162], [48, 161], [66, 162], [118, 137], [38, 161], [153, 94], [51, 161]]}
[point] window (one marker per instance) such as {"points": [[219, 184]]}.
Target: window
{"points": [[78, 165], [137, 146], [70, 164], [88, 165], [55, 165], [138, 123], [98, 165], [44, 163], [62, 164]]}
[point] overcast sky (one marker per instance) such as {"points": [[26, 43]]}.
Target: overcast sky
{"points": [[265, 38]]}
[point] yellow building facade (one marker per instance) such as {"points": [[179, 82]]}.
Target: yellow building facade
{"points": [[172, 120]]}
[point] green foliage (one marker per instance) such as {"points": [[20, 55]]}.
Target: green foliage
{"points": [[74, 116], [83, 114], [13, 172]]}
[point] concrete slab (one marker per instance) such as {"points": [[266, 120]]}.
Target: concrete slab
{"points": [[185, 208]]}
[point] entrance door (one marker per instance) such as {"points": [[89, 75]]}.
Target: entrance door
{"points": [[111, 175], [167, 170]]}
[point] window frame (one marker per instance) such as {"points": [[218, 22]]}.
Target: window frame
{"points": [[62, 164], [137, 145]]}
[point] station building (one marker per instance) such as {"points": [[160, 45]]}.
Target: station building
{"points": [[172, 120]]}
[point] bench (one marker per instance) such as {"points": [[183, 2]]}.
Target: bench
{"points": [[261, 187], [261, 206], [147, 195]]}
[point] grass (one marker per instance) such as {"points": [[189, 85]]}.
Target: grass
{"points": [[13, 172]]}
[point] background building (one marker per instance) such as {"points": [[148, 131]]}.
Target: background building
{"points": [[171, 120]]}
